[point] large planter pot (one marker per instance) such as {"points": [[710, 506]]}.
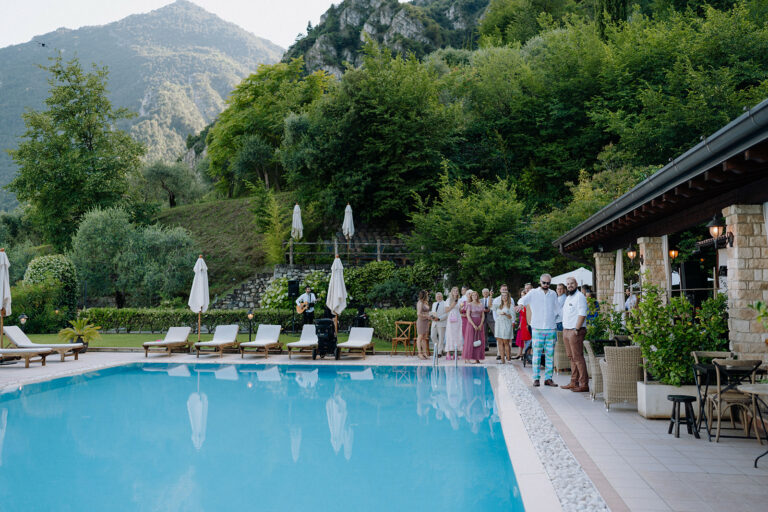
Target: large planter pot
{"points": [[79, 339], [652, 400]]}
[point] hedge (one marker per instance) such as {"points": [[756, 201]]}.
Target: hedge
{"points": [[158, 320]]}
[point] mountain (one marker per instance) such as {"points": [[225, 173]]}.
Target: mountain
{"points": [[421, 27], [173, 66]]}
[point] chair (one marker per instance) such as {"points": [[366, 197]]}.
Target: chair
{"points": [[307, 342], [593, 365], [176, 337], [561, 361], [10, 354], [267, 337], [621, 369], [729, 373], [699, 356], [704, 377], [18, 338], [225, 336], [360, 338], [402, 335]]}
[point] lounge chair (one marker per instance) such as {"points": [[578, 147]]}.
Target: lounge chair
{"points": [[225, 336], [307, 342], [360, 339], [267, 337], [10, 354], [176, 337], [18, 338]]}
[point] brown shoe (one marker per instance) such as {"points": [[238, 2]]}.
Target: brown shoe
{"points": [[550, 383], [584, 389], [536, 383], [568, 386]]}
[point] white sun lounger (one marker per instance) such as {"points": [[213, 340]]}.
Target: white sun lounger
{"points": [[225, 336], [9, 354], [176, 337], [307, 342], [267, 337], [360, 339], [18, 338]]}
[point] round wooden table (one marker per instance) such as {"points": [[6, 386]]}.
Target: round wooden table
{"points": [[758, 390]]}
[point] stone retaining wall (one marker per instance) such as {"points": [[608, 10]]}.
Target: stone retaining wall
{"points": [[248, 295]]}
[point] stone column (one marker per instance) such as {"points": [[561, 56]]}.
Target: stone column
{"points": [[747, 279], [604, 273], [652, 271]]}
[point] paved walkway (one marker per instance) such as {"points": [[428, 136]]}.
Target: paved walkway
{"points": [[633, 462]]}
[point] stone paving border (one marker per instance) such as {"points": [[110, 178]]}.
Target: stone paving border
{"points": [[574, 488]]}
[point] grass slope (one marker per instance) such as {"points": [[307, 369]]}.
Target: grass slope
{"points": [[225, 231]]}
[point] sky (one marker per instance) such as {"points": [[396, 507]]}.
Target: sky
{"points": [[280, 21]]}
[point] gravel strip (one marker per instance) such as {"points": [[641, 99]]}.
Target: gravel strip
{"points": [[572, 485]]}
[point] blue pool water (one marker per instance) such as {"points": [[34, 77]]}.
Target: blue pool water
{"points": [[222, 437]]}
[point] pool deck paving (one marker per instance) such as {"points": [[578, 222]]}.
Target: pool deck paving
{"points": [[633, 463]]}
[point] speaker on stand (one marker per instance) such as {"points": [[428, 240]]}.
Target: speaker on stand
{"points": [[293, 294]]}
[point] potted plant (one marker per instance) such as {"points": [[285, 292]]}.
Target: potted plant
{"points": [[667, 332], [762, 314], [80, 332]]}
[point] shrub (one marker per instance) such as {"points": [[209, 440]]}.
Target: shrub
{"points": [[276, 295], [394, 292], [38, 301], [318, 281], [60, 269], [669, 332], [383, 320], [361, 280], [159, 320]]}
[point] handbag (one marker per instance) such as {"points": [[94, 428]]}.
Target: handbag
{"points": [[477, 343]]}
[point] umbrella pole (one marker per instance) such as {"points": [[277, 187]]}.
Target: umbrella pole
{"points": [[336, 323], [199, 314], [2, 332]]}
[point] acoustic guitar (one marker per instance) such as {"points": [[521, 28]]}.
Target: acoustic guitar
{"points": [[302, 307]]}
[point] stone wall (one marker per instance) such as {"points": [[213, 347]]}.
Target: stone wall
{"points": [[747, 279], [248, 295]]}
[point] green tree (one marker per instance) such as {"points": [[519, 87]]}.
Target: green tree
{"points": [[273, 221], [254, 119], [478, 232], [178, 182], [381, 134], [60, 270], [72, 157]]}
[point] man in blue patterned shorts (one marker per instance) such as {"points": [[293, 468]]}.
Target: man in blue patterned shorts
{"points": [[543, 303]]}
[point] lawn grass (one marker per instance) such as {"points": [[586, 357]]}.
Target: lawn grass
{"points": [[135, 340], [225, 232]]}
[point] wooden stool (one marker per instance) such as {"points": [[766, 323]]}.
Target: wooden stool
{"points": [[690, 419]]}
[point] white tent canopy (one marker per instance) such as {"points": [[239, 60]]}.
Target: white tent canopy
{"points": [[297, 227], [581, 274]]}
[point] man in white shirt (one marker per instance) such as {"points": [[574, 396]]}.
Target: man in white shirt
{"points": [[490, 318], [574, 315], [439, 322], [463, 297], [310, 299], [543, 303], [631, 302]]}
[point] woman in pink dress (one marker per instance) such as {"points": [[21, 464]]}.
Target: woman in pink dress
{"points": [[475, 330]]}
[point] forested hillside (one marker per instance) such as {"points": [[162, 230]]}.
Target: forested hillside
{"points": [[174, 67]]}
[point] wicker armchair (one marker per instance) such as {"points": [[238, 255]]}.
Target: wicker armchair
{"points": [[561, 361], [621, 368], [593, 367]]}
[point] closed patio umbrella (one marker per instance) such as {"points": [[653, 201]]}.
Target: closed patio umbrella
{"points": [[198, 297], [197, 407], [341, 434], [348, 227], [337, 292], [5, 293], [618, 283], [297, 228]]}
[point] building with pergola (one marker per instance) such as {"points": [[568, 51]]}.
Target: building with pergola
{"points": [[726, 174]]}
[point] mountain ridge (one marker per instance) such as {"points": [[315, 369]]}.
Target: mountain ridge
{"points": [[174, 66]]}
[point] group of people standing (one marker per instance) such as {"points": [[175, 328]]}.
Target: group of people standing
{"points": [[460, 323]]}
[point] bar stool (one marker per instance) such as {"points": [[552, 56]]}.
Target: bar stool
{"points": [[690, 418]]}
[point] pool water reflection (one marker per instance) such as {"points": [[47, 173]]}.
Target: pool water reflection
{"points": [[256, 437]]}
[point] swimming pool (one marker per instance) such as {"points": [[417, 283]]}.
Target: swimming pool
{"points": [[256, 437]]}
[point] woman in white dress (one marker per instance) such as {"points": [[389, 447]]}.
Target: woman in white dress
{"points": [[505, 323], [453, 338]]}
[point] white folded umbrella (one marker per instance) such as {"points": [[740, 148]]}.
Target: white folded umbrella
{"points": [[5, 292], [348, 227], [297, 227], [199, 298]]}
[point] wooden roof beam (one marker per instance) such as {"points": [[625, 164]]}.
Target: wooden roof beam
{"points": [[696, 185], [714, 176], [759, 155], [682, 192]]}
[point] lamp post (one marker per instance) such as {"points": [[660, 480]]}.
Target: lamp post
{"points": [[716, 228], [250, 323], [22, 320]]}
